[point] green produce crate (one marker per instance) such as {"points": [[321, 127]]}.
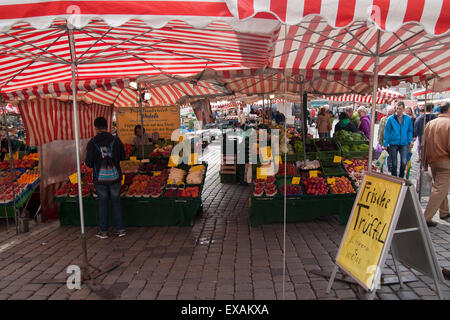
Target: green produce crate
{"points": [[309, 156], [327, 155]]}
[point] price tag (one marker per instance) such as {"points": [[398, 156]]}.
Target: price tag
{"points": [[133, 159], [359, 168], [169, 181], [337, 159], [331, 180], [156, 173], [295, 180], [348, 162], [197, 168], [313, 173], [261, 173], [123, 179], [173, 161], [145, 160], [193, 159], [73, 178]]}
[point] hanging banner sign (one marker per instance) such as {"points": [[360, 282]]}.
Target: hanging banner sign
{"points": [[368, 227], [163, 120]]}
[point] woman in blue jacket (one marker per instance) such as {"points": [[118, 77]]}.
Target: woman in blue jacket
{"points": [[398, 138]]}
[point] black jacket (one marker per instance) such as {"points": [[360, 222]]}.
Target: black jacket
{"points": [[349, 127], [93, 156]]}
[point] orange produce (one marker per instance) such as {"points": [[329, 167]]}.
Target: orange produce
{"points": [[342, 185]]}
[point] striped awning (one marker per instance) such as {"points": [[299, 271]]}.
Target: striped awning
{"points": [[46, 120], [383, 96]]}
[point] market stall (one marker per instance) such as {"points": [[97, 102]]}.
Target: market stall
{"points": [[153, 194], [18, 185]]}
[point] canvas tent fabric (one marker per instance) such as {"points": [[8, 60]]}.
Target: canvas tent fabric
{"points": [[383, 96], [47, 120], [128, 39]]}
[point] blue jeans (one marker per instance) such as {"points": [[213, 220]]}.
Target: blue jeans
{"points": [[404, 151], [106, 193]]}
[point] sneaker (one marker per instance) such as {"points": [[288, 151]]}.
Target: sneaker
{"points": [[121, 233], [102, 235]]}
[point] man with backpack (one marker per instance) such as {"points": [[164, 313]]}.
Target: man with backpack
{"points": [[104, 153]]}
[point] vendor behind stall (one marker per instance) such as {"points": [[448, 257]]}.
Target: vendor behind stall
{"points": [[141, 137]]}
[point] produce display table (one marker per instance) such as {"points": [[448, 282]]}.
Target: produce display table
{"points": [[271, 210], [8, 209], [137, 212]]}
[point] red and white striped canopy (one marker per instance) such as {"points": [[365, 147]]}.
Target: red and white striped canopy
{"points": [[383, 96], [46, 120], [313, 81], [388, 15]]}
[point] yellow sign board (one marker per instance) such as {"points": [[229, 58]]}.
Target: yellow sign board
{"points": [[348, 162], [363, 242], [331, 180], [157, 173], [295, 180], [73, 178], [313, 173], [133, 159], [163, 120], [337, 159], [261, 173], [197, 168]]}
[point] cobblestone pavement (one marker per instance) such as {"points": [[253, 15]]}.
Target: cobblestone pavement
{"points": [[219, 257]]}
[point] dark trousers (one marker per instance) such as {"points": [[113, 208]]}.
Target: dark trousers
{"points": [[404, 151], [106, 194]]}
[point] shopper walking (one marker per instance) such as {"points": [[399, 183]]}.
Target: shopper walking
{"points": [[323, 124], [437, 156], [364, 124], [104, 153], [398, 138], [331, 118], [418, 125]]}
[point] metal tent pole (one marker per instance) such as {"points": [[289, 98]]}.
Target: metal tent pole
{"points": [[77, 142], [13, 169], [422, 145], [302, 115], [374, 100], [263, 110], [142, 121]]}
